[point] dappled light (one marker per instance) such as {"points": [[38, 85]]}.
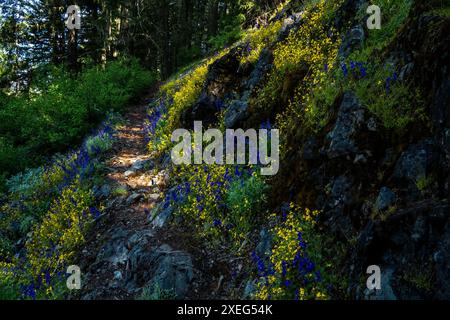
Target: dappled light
{"points": [[224, 150]]}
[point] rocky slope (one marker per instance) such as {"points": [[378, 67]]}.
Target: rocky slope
{"points": [[381, 185], [383, 193]]}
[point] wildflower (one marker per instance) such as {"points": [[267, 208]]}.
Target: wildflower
{"points": [[394, 77], [47, 277], [318, 276], [261, 266], [219, 105], [284, 268], [266, 125], [309, 265], [227, 176], [362, 69], [297, 295], [284, 211], [95, 213], [390, 81], [388, 85], [174, 196], [29, 291], [166, 203], [344, 69], [187, 186], [301, 243]]}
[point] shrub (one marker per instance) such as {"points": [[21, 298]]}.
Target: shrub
{"points": [[60, 110], [9, 289], [155, 292], [394, 14], [291, 272], [395, 103], [305, 53], [231, 33], [10, 158], [176, 96], [245, 200], [55, 241], [258, 39], [25, 183], [98, 143], [208, 198], [55, 202]]}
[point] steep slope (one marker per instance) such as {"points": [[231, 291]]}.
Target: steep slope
{"points": [[364, 126], [363, 172]]}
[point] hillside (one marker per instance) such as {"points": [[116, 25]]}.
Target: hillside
{"points": [[362, 176]]}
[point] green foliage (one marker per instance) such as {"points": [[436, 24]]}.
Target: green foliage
{"points": [[179, 94], [52, 208], [114, 86], [10, 157], [420, 277], [221, 202], [60, 111], [51, 246], [298, 79], [6, 245], [64, 228], [394, 14], [424, 182], [9, 288], [442, 12], [258, 39], [25, 183], [155, 292], [304, 263], [31, 192], [98, 143], [246, 199], [397, 105], [321, 98], [231, 33], [120, 192], [34, 189], [294, 263]]}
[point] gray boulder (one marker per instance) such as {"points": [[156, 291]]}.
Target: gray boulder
{"points": [[262, 67], [102, 192], [264, 247], [161, 216], [386, 198], [386, 292], [352, 41], [144, 164], [168, 270], [349, 121], [236, 112], [413, 162]]}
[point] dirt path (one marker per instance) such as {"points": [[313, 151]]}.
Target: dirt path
{"points": [[125, 251], [129, 194]]}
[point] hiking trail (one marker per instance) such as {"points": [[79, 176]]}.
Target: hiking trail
{"points": [[131, 255]]}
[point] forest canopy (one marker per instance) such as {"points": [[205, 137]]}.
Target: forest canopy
{"points": [[163, 34], [47, 70]]}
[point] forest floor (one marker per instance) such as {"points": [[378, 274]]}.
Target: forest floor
{"points": [[105, 261]]}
